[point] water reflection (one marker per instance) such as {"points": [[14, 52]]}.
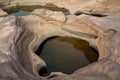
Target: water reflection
{"points": [[25, 10], [21, 13], [67, 54]]}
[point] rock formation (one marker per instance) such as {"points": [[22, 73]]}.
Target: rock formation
{"points": [[3, 13], [96, 21], [100, 7]]}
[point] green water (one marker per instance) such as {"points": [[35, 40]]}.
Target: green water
{"points": [[21, 13], [66, 54]]}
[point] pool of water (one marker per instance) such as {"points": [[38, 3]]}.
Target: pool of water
{"points": [[20, 13], [66, 54], [25, 10]]}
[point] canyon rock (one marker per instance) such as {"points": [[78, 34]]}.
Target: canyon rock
{"points": [[3, 13], [48, 13], [95, 7], [20, 37]]}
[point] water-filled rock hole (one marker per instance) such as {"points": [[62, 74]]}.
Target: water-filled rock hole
{"points": [[65, 54], [26, 10]]}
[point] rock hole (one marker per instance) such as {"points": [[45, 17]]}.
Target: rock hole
{"points": [[92, 14], [65, 54], [98, 15], [43, 72], [25, 10]]}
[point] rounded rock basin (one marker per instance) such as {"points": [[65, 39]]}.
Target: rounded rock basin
{"points": [[26, 10], [65, 54]]}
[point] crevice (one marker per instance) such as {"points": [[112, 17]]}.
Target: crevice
{"points": [[92, 14], [98, 15], [43, 72]]}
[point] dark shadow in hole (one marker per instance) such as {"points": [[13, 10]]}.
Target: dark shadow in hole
{"points": [[95, 51], [43, 72], [77, 14], [92, 14], [98, 15]]}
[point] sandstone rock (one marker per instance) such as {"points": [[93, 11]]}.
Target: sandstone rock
{"points": [[83, 27], [4, 2], [21, 36], [19, 65], [95, 7], [56, 15], [3, 13]]}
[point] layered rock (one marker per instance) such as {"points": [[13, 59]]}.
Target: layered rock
{"points": [[21, 36], [95, 7]]}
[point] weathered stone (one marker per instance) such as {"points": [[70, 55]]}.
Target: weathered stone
{"points": [[3, 13], [95, 7], [21, 36], [50, 14], [4, 2]]}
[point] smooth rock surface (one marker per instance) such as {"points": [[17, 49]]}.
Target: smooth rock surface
{"points": [[3, 13], [50, 14], [21, 36]]}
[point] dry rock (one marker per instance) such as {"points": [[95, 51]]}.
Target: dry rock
{"points": [[3, 13]]}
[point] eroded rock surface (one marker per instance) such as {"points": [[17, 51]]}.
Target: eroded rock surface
{"points": [[21, 36], [95, 7], [3, 13]]}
